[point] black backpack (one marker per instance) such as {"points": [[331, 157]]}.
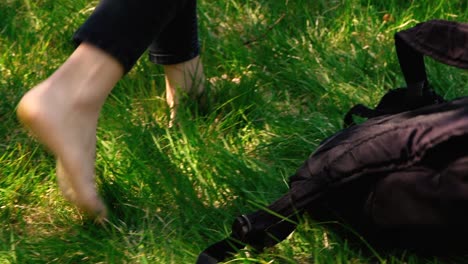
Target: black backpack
{"points": [[400, 177]]}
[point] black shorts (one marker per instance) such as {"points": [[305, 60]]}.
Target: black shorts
{"points": [[127, 28]]}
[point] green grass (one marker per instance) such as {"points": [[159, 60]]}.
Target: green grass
{"points": [[281, 75]]}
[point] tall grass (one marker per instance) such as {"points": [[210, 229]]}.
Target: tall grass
{"points": [[281, 74]]}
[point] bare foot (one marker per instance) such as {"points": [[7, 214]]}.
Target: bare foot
{"points": [[70, 135], [185, 79], [62, 112]]}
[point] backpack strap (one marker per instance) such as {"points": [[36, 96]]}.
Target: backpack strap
{"points": [[396, 101], [445, 41], [260, 229], [247, 229], [412, 66]]}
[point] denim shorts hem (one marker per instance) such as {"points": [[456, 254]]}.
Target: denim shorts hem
{"points": [[164, 59], [125, 60]]}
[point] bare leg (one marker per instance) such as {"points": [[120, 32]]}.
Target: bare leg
{"points": [[62, 112], [186, 78]]}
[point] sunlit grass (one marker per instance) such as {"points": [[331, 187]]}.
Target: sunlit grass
{"points": [[281, 74]]}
